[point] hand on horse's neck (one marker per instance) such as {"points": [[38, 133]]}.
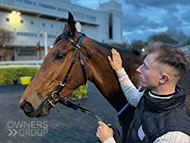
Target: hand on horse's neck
{"points": [[103, 76], [105, 79]]}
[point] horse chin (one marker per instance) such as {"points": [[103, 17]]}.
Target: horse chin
{"points": [[45, 111]]}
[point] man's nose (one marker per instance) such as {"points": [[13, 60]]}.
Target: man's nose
{"points": [[139, 69]]}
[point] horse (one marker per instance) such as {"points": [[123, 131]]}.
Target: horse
{"points": [[97, 69], [184, 81]]}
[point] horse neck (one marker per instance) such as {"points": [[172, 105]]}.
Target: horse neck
{"points": [[104, 77]]}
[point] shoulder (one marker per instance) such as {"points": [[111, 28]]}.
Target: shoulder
{"points": [[173, 137]]}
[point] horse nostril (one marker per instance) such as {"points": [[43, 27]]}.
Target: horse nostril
{"points": [[27, 107]]}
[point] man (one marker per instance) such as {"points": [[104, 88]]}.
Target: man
{"points": [[160, 115]]}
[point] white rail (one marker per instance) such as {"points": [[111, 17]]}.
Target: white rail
{"points": [[11, 64]]}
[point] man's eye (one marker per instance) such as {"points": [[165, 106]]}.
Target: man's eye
{"points": [[145, 66], [59, 56]]}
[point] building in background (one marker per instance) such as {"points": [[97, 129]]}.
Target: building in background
{"points": [[33, 22]]}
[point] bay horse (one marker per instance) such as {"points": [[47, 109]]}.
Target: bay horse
{"points": [[97, 70]]}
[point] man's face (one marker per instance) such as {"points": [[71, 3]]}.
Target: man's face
{"points": [[150, 72]]}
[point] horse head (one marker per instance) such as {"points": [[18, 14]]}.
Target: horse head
{"points": [[54, 69]]}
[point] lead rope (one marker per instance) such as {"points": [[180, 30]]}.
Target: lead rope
{"points": [[76, 106]]}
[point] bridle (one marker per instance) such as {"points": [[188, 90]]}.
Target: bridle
{"points": [[52, 100]]}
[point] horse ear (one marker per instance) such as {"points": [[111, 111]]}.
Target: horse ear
{"points": [[66, 28], [71, 24]]}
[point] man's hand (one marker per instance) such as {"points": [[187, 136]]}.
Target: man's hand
{"points": [[115, 62], [103, 131]]}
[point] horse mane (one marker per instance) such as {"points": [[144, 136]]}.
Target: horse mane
{"points": [[65, 34], [135, 52], [121, 50]]}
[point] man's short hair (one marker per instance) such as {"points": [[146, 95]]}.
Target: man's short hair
{"points": [[170, 55]]}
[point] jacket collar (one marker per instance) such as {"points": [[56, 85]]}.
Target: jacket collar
{"points": [[159, 105]]}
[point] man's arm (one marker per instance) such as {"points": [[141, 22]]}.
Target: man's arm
{"points": [[104, 133], [110, 140], [170, 137], [131, 93], [173, 137]]}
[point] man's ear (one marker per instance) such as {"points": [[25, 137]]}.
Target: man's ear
{"points": [[165, 78]]}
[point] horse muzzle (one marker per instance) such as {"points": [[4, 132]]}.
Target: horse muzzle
{"points": [[27, 108], [42, 110]]}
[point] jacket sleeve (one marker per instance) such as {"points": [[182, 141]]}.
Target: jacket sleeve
{"points": [[173, 137], [110, 140], [131, 93]]}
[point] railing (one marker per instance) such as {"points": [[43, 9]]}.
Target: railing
{"points": [[10, 64]]}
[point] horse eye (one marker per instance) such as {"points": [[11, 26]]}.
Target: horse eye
{"points": [[59, 56]]}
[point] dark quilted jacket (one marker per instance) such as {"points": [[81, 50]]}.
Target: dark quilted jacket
{"points": [[155, 117]]}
